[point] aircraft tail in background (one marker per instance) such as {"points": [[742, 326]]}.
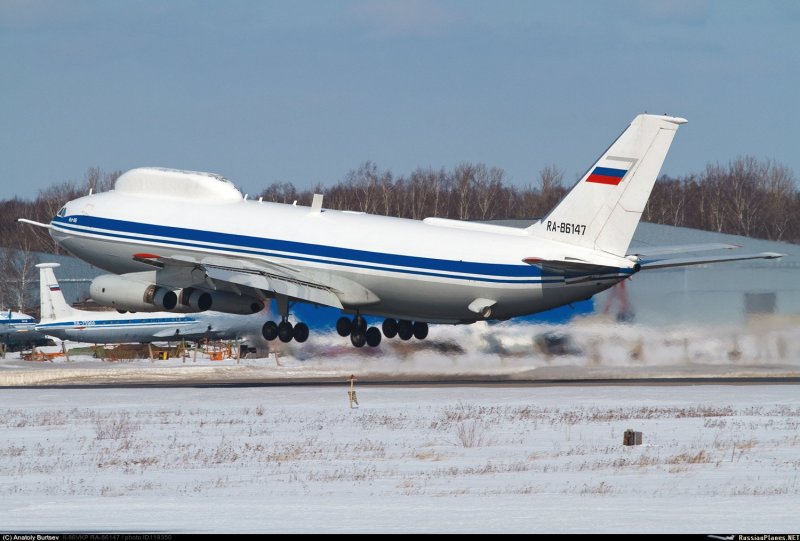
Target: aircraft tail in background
{"points": [[52, 303]]}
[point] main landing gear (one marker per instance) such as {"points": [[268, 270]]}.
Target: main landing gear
{"points": [[285, 331], [360, 334]]}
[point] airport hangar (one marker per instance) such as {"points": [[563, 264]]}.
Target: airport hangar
{"points": [[717, 294]]}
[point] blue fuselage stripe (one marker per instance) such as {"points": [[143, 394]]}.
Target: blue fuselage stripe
{"points": [[133, 323]]}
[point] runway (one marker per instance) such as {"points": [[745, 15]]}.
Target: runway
{"points": [[57, 378]]}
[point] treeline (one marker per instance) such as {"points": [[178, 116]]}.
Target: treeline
{"points": [[468, 192], [745, 197], [43, 208], [18, 242]]}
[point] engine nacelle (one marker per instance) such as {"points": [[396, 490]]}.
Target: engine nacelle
{"points": [[195, 300], [231, 303], [125, 294]]}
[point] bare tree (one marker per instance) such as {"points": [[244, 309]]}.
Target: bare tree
{"points": [[462, 189], [551, 188], [280, 192], [780, 193], [488, 184], [18, 275]]}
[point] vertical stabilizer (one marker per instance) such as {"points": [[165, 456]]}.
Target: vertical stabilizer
{"points": [[602, 210], [51, 299]]}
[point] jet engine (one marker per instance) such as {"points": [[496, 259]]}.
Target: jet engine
{"points": [[126, 294], [220, 301]]}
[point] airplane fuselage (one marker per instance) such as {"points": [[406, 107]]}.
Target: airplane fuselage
{"points": [[105, 328], [421, 270], [17, 328], [115, 328]]}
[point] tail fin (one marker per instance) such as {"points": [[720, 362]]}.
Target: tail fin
{"points": [[603, 209], [51, 299]]}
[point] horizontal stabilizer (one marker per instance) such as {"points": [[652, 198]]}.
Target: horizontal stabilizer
{"points": [[686, 261], [680, 249]]}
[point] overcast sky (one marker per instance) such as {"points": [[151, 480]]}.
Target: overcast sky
{"points": [[304, 91]]}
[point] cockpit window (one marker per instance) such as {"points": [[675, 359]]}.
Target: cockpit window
{"points": [[62, 212]]}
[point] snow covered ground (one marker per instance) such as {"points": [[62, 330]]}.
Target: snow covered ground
{"points": [[408, 459], [500, 458], [587, 349]]}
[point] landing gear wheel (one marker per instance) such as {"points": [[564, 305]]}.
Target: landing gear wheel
{"points": [[300, 332], [389, 328], [343, 326], [359, 325], [285, 331], [358, 339], [270, 330], [420, 330], [373, 337], [405, 330]]}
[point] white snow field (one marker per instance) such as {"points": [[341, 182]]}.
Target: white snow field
{"points": [[450, 458], [471, 459], [590, 348]]}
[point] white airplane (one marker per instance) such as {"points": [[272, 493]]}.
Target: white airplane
{"points": [[61, 320], [189, 241], [18, 329]]}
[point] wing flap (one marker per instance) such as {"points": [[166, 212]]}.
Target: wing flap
{"points": [[290, 287], [213, 272]]}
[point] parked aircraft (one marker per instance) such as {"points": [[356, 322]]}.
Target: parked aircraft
{"points": [[189, 241], [17, 329], [61, 320]]}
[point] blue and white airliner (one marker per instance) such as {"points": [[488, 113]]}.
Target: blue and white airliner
{"points": [[187, 242], [18, 329], [61, 320]]}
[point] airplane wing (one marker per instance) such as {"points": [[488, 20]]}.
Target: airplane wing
{"points": [[240, 275], [170, 333], [195, 329]]}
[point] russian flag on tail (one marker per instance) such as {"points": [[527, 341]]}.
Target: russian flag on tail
{"points": [[55, 288], [606, 175]]}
